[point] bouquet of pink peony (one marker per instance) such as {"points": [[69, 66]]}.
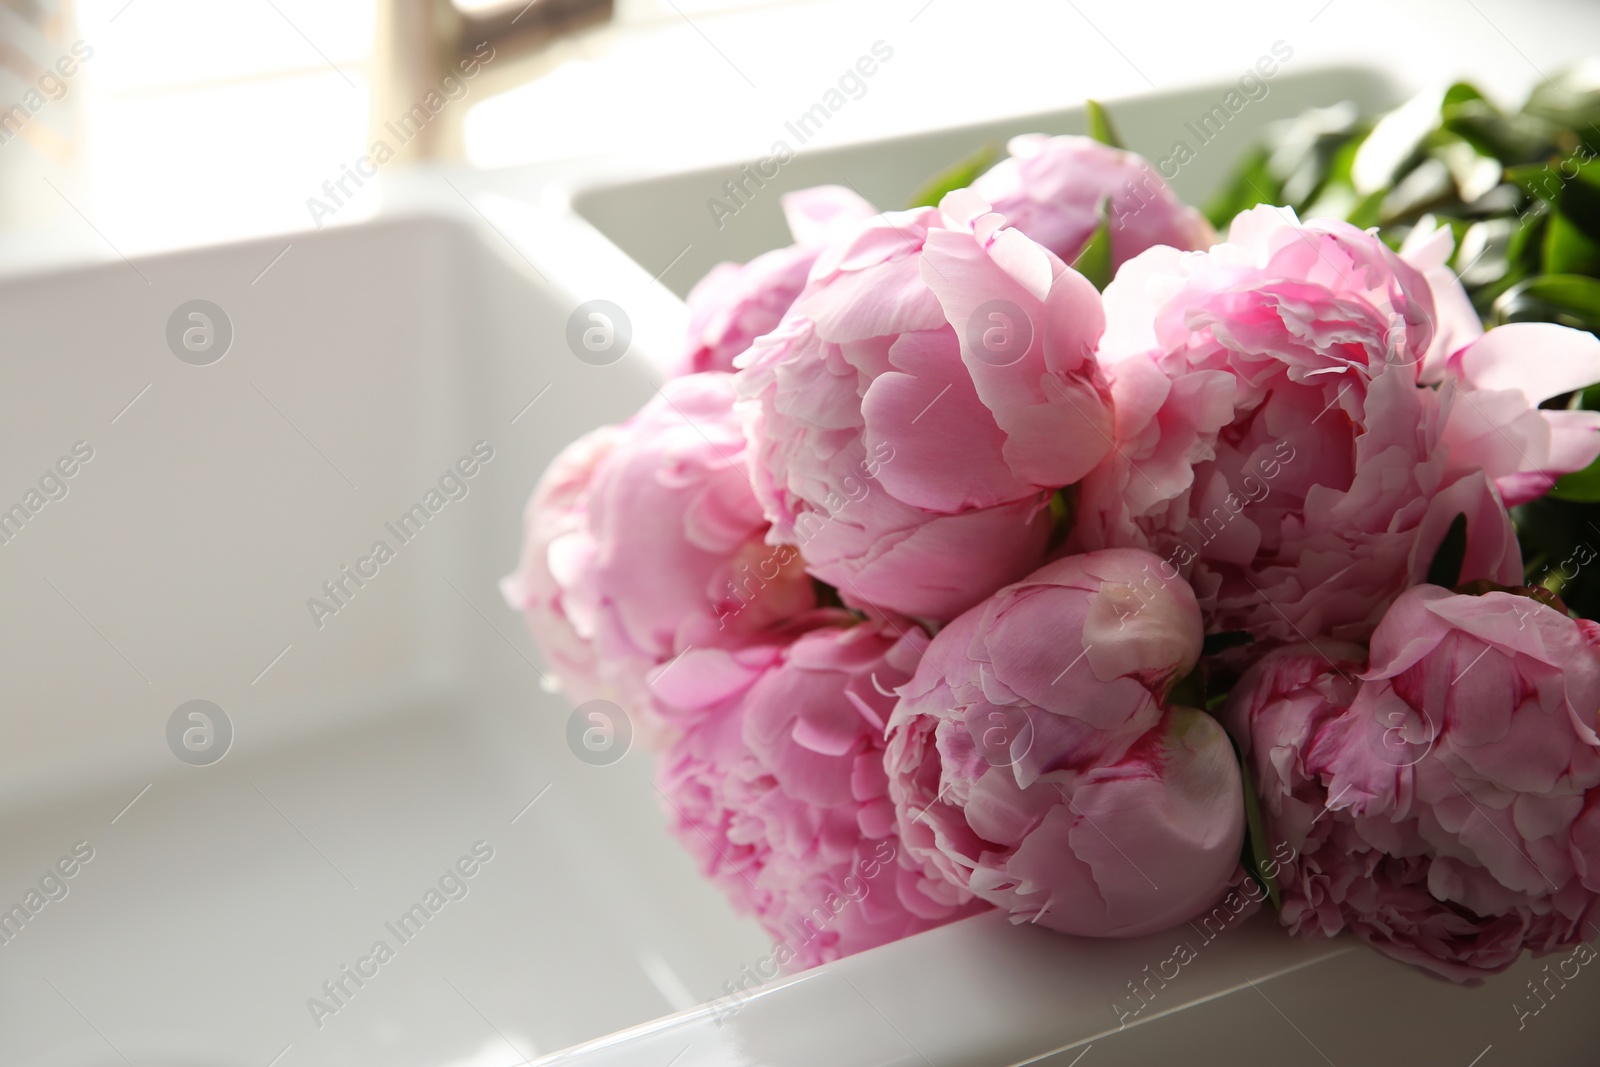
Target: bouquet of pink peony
{"points": [[1040, 548]]}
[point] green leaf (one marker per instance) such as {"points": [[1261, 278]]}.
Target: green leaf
{"points": [[1094, 262], [1188, 691], [958, 175], [1470, 115], [1342, 161], [1535, 179], [1215, 643], [1569, 299], [1256, 854], [1571, 99], [1445, 569], [1061, 508], [1461, 93], [1100, 127], [1525, 250], [1369, 211], [1561, 537], [1580, 487], [1252, 183], [1579, 201], [1567, 250]]}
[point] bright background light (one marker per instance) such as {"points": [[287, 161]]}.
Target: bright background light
{"points": [[203, 120]]}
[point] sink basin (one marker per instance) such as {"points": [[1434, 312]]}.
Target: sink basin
{"points": [[375, 741]]}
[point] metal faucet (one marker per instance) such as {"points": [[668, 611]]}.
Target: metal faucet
{"points": [[433, 47]]}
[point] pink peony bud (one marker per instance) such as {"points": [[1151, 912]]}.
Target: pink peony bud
{"points": [[1053, 190], [779, 792], [923, 398], [1445, 804], [1033, 762]]}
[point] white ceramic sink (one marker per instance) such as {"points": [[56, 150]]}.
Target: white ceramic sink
{"points": [[369, 753], [376, 747]]}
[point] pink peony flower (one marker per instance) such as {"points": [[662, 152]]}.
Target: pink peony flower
{"points": [[734, 304], [557, 519], [1427, 247], [645, 541], [1500, 380], [1445, 806], [779, 792], [1034, 764], [1053, 189], [1496, 422], [921, 401], [1276, 443]]}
